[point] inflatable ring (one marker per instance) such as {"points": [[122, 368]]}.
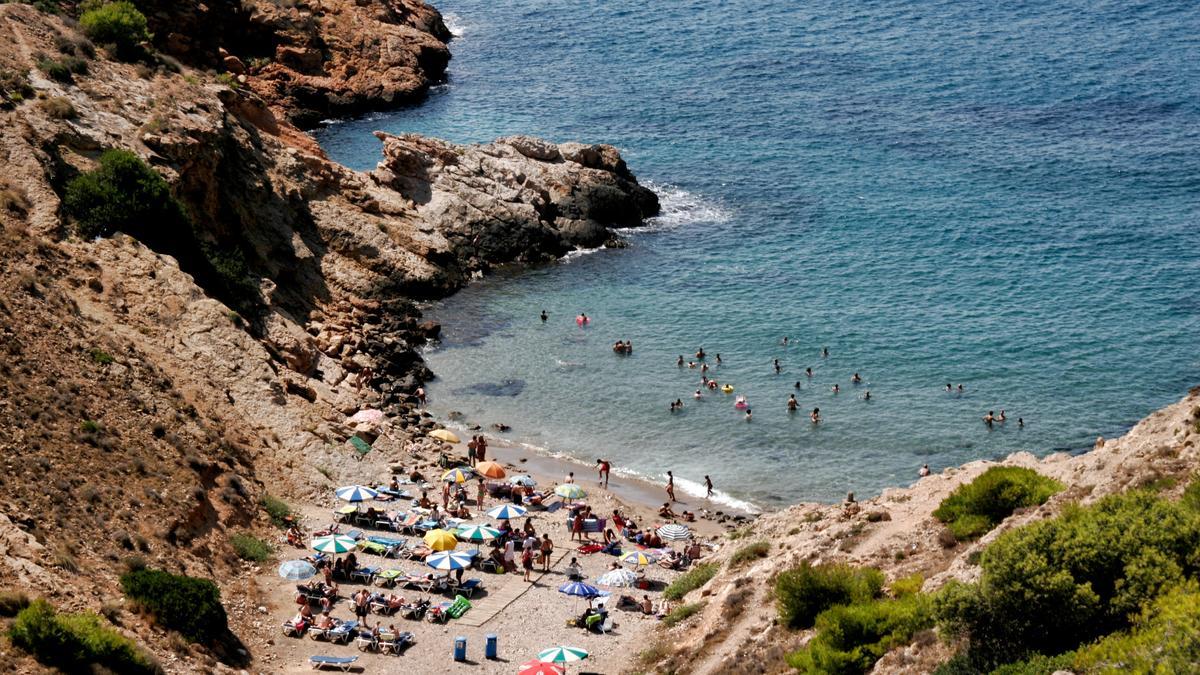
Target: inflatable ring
{"points": [[728, 389]]}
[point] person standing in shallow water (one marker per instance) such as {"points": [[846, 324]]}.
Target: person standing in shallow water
{"points": [[708, 487], [671, 486], [815, 416]]}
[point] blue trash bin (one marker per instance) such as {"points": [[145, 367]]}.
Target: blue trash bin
{"points": [[460, 648], [490, 648]]}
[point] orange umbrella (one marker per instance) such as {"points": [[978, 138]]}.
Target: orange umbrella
{"points": [[490, 469]]}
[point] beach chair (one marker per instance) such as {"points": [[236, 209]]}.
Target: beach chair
{"points": [[412, 611], [467, 587], [438, 613], [607, 625], [394, 644], [366, 574], [343, 632], [367, 642], [409, 524], [291, 629], [388, 578], [372, 547], [318, 633], [341, 662]]}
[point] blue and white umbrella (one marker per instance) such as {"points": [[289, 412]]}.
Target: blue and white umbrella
{"points": [[619, 578], [356, 493], [507, 512], [674, 532], [297, 570], [448, 560], [523, 480], [580, 589]]}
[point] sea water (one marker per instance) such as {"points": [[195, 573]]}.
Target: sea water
{"points": [[1002, 195]]}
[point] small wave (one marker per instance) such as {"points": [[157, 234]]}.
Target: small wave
{"points": [[680, 207], [579, 253], [692, 489], [568, 364], [454, 24]]}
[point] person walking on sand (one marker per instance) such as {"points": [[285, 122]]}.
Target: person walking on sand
{"points": [[708, 487], [603, 467], [481, 495], [570, 477], [527, 562], [547, 549], [671, 486]]}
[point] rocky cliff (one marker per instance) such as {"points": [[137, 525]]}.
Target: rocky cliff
{"points": [[158, 385]]}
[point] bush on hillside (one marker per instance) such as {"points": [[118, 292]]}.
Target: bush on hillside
{"points": [[851, 638], [119, 24], [124, 194], [277, 509], [1051, 586], [1165, 638], [249, 547], [185, 604], [804, 592], [745, 554], [682, 613], [976, 507], [76, 643], [691, 580]]}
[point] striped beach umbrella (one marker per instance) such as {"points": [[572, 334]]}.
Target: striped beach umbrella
{"points": [[355, 493], [578, 588], [570, 491], [674, 532], [459, 474], [490, 469], [476, 532], [523, 480], [440, 540], [334, 543], [507, 512], [536, 667], [448, 560], [621, 578], [639, 558], [297, 570], [562, 654]]}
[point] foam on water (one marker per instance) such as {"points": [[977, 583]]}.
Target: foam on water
{"points": [[679, 207], [454, 24]]}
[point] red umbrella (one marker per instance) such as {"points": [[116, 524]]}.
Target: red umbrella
{"points": [[536, 667]]}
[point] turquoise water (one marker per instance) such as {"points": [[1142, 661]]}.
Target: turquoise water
{"points": [[1004, 195]]}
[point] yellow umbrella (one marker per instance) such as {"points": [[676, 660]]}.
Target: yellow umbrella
{"points": [[440, 540], [444, 435], [490, 469], [460, 474]]}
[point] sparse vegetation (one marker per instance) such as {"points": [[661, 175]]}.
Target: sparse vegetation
{"points": [[229, 80], [739, 533], [804, 592], [691, 580], [119, 24], [975, 508], [249, 547], [748, 553], [63, 69], [76, 643], [277, 509], [181, 603], [682, 613], [58, 108], [99, 356], [14, 88], [89, 427], [12, 602]]}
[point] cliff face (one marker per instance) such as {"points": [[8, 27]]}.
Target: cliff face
{"points": [[196, 410]]}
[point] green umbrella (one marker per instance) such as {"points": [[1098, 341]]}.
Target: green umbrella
{"points": [[334, 543], [562, 655], [570, 491]]}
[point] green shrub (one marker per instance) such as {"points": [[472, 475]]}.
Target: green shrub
{"points": [[123, 194], [99, 356], [249, 547], [682, 612], [89, 427], [749, 552], [851, 638], [185, 604], [63, 69], [976, 507], [118, 23], [1051, 586], [277, 509], [804, 592], [691, 580], [1165, 639], [76, 643], [1037, 664]]}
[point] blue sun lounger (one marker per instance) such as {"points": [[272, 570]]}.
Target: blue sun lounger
{"points": [[342, 662]]}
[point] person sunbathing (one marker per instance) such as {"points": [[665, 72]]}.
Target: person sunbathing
{"points": [[295, 537], [646, 605], [325, 622], [299, 622], [666, 511]]}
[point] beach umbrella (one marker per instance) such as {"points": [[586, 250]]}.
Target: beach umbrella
{"points": [[562, 654], [639, 558], [490, 469], [523, 480], [621, 578], [570, 491], [367, 416], [507, 512], [444, 435], [674, 532], [440, 540], [448, 560], [476, 532], [459, 474], [356, 493], [536, 667], [334, 543], [297, 570], [580, 589]]}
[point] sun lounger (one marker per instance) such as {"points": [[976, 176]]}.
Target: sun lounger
{"points": [[438, 613], [342, 662], [409, 524], [367, 642], [343, 632], [366, 574], [394, 644], [388, 578], [291, 629], [413, 611], [467, 587]]}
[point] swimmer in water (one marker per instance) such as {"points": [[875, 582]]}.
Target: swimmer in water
{"points": [[712, 384], [867, 396], [856, 379], [672, 406], [836, 389], [545, 315], [1001, 418], [697, 394], [679, 362], [784, 341], [691, 364], [718, 358], [989, 418], [797, 385], [824, 352], [948, 387], [700, 353], [777, 367], [1020, 422], [747, 414], [582, 319], [679, 404], [704, 367], [960, 389], [792, 403], [808, 372], [815, 416], [628, 347]]}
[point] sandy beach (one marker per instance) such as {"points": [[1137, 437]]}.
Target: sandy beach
{"points": [[525, 617]]}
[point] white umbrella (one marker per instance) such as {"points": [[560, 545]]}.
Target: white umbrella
{"points": [[356, 493], [619, 578], [334, 543], [523, 480], [507, 512], [674, 532]]}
